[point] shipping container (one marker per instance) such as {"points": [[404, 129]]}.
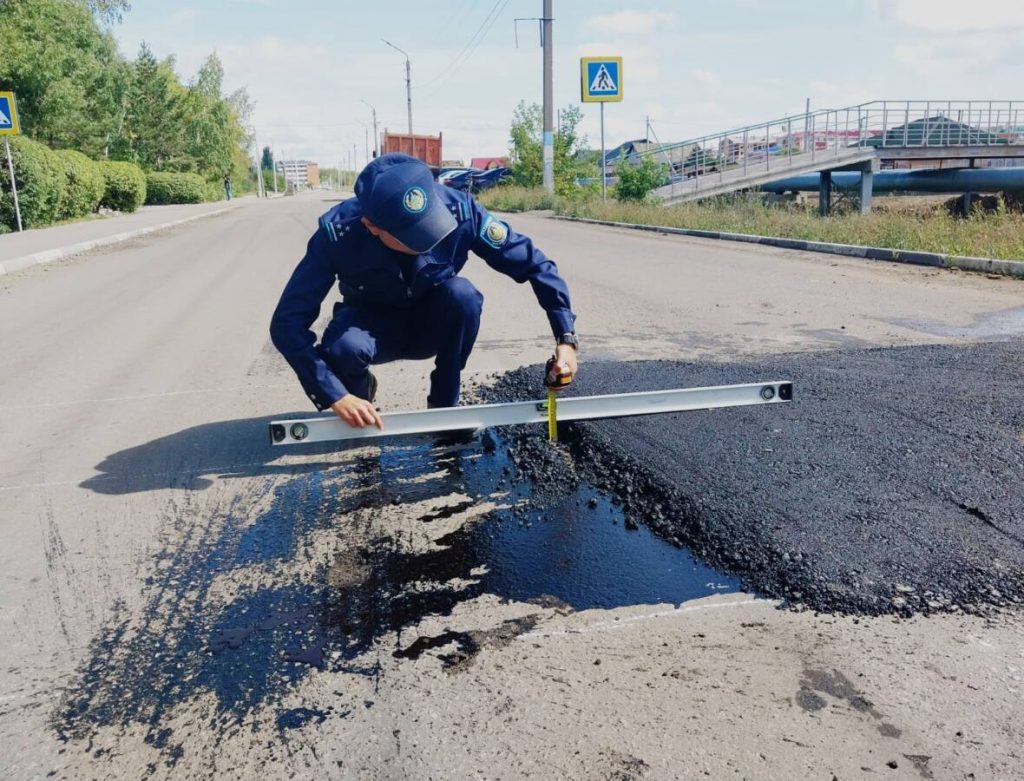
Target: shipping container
{"points": [[426, 148]]}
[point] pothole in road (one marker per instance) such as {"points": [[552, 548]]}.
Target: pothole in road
{"points": [[575, 544], [343, 562]]}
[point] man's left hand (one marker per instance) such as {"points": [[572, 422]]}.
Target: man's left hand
{"points": [[565, 361]]}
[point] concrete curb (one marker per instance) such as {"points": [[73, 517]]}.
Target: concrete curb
{"points": [[1010, 268], [48, 256]]}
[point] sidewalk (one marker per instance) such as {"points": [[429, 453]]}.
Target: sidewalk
{"points": [[42, 245]]}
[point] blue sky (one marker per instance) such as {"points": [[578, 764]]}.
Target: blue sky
{"points": [[691, 67]]}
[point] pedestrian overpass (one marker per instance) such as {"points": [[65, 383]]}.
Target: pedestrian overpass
{"points": [[857, 138]]}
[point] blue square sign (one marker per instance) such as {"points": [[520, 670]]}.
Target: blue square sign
{"points": [[8, 115], [601, 79]]}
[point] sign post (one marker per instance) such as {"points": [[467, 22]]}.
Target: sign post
{"points": [[601, 82], [9, 127]]}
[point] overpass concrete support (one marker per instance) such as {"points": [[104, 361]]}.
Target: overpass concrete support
{"points": [[867, 181], [824, 193]]}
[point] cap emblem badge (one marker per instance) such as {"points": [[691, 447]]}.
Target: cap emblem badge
{"points": [[414, 200]]}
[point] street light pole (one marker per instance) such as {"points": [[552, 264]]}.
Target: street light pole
{"points": [[376, 138], [408, 81]]}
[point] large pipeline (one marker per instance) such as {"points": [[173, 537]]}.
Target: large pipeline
{"points": [[928, 180]]}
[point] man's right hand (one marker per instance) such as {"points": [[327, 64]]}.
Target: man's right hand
{"points": [[357, 412]]}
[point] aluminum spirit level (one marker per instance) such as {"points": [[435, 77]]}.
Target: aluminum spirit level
{"points": [[618, 405]]}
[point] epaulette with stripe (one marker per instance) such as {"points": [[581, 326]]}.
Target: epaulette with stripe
{"points": [[336, 224], [459, 208]]}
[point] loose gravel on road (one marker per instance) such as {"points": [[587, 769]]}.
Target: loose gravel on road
{"points": [[892, 484]]}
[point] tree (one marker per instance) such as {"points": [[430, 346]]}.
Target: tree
{"points": [[527, 148], [108, 11], [636, 181], [267, 159], [211, 127], [76, 91], [154, 133], [699, 162], [66, 72]]}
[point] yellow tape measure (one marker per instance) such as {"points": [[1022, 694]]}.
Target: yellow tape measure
{"points": [[552, 415]]}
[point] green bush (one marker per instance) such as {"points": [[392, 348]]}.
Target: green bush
{"points": [[214, 191], [636, 181], [164, 188], [83, 185], [124, 186], [40, 177]]}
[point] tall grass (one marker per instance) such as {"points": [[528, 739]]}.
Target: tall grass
{"points": [[892, 224]]}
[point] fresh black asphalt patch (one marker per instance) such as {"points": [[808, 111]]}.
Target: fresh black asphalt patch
{"points": [[892, 484]]}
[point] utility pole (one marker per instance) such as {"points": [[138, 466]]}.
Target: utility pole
{"points": [[355, 158], [549, 136], [273, 167], [366, 145], [261, 189], [376, 137], [408, 82], [807, 124]]}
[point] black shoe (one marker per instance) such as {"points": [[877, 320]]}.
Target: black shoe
{"points": [[371, 386], [458, 436]]}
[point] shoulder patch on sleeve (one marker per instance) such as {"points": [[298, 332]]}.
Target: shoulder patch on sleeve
{"points": [[494, 232]]}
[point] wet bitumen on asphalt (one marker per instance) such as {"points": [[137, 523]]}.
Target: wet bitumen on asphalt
{"points": [[553, 544], [892, 484]]}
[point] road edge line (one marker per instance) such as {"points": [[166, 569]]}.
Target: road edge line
{"points": [[1008, 268], [50, 255]]}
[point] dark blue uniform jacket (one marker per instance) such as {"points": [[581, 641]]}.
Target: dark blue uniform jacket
{"points": [[370, 275]]}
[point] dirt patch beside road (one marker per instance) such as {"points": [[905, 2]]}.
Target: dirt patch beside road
{"points": [[891, 485]]}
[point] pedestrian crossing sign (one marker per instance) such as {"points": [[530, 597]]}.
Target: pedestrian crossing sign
{"points": [[601, 79], [8, 115]]}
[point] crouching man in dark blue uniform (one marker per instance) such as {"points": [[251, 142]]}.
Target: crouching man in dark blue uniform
{"points": [[396, 250]]}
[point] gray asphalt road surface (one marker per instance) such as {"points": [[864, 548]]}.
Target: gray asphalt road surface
{"points": [[181, 600]]}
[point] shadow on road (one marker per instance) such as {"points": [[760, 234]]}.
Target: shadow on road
{"points": [[193, 457]]}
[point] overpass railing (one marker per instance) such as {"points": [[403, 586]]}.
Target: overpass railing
{"points": [[832, 134]]}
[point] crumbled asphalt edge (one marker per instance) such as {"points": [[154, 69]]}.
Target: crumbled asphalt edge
{"points": [[892, 485]]}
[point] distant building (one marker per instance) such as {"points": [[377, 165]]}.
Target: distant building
{"points": [[488, 163], [300, 173], [632, 152]]}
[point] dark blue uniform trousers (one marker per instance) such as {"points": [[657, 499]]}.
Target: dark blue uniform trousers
{"points": [[442, 324]]}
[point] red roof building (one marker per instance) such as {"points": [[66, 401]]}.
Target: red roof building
{"points": [[487, 163]]}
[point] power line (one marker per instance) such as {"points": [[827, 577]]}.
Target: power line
{"points": [[475, 40]]}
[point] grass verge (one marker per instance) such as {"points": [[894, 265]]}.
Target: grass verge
{"points": [[896, 223]]}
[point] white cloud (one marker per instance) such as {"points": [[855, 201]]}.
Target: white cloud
{"points": [[820, 87], [639, 62], [631, 22], [956, 16], [948, 60], [706, 77], [272, 52], [186, 14]]}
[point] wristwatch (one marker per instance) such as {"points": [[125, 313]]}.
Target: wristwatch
{"points": [[569, 338]]}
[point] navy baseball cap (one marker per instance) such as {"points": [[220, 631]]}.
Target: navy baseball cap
{"points": [[399, 195]]}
